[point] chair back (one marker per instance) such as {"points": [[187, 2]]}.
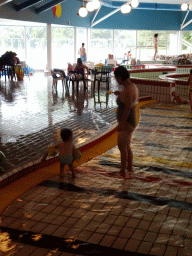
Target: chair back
{"points": [[102, 70]]}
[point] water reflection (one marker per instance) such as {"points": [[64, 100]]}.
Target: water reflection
{"points": [[10, 90], [6, 244], [101, 98]]}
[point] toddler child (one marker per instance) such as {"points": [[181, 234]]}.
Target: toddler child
{"points": [[67, 151]]}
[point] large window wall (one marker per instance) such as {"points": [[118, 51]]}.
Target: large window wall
{"points": [[12, 39], [30, 43], [124, 41], [62, 46], [101, 44]]}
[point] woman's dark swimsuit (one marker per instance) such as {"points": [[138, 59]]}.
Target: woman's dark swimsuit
{"points": [[132, 115]]}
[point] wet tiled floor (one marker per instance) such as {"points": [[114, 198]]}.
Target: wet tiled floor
{"points": [[100, 212], [31, 113]]}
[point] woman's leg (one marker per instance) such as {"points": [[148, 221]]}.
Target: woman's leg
{"points": [[122, 145], [129, 155], [62, 169], [155, 55], [190, 99]]}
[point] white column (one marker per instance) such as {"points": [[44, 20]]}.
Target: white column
{"points": [[179, 42], [26, 41], [136, 44], [87, 43], [49, 48], [75, 44], [113, 44]]}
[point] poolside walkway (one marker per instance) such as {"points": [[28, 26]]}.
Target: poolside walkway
{"points": [[100, 212]]}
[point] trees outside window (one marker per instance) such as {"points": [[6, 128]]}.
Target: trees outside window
{"points": [[187, 42], [124, 41], [62, 46], [12, 39], [100, 44]]}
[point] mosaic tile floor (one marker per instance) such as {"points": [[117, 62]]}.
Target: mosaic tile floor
{"points": [[31, 113], [101, 213]]}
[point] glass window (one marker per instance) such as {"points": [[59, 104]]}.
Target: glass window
{"points": [[62, 46], [166, 43], [187, 42], [124, 41], [12, 39], [36, 46], [81, 37], [100, 45]]}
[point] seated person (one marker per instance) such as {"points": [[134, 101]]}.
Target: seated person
{"points": [[79, 72], [111, 61], [80, 69]]}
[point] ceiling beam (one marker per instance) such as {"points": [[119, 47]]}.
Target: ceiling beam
{"points": [[2, 2], [106, 16], [48, 6], [26, 5], [95, 15], [186, 24], [184, 19]]}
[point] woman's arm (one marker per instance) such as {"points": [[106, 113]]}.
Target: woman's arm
{"points": [[117, 92]]}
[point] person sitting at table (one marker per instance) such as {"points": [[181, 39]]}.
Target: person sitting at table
{"points": [[80, 71], [80, 68]]}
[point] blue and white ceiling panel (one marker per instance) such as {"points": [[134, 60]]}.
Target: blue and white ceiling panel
{"points": [[150, 14]]}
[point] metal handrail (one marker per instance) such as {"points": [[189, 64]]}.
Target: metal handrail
{"points": [[186, 43]]}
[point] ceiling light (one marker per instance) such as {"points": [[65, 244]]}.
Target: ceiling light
{"points": [[90, 6], [83, 12], [190, 7], [126, 8], [184, 7], [134, 3], [96, 4]]}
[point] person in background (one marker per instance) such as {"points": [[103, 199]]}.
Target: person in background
{"points": [[127, 101], [80, 70], [82, 53], [155, 42], [80, 67], [190, 89]]}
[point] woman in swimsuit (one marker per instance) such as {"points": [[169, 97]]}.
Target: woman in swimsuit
{"points": [[127, 101], [190, 88], [155, 41]]}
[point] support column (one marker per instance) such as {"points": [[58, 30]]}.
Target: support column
{"points": [[26, 37], [179, 42], [113, 44], [136, 45], [75, 44], [87, 39], [49, 48], [89, 43]]}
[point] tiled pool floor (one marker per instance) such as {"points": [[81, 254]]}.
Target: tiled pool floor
{"points": [[99, 212]]}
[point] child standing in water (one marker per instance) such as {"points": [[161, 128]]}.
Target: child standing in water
{"points": [[67, 152], [190, 88]]}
